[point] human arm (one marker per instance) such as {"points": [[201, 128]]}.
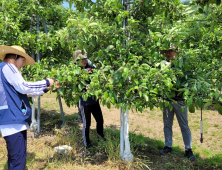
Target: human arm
{"points": [[16, 80], [57, 85]]}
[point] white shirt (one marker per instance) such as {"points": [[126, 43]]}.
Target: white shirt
{"points": [[7, 130], [15, 79]]}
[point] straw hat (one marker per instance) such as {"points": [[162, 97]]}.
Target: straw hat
{"points": [[77, 54], [172, 47], [15, 49]]}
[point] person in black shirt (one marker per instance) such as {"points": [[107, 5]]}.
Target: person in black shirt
{"points": [[91, 105]]}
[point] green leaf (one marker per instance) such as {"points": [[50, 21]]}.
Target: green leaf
{"points": [[182, 108], [60, 91], [80, 86], [170, 107], [140, 109], [103, 102], [85, 96], [75, 79], [111, 87], [166, 103], [74, 88], [207, 104], [50, 48], [113, 100], [100, 53], [69, 78], [93, 7], [108, 105], [200, 102], [77, 98], [217, 95], [200, 10], [105, 95], [28, 66], [109, 47], [93, 24], [209, 73], [151, 106], [220, 110], [117, 75], [146, 2], [146, 97], [183, 33], [189, 101], [186, 66], [186, 92], [180, 63], [182, 90], [219, 85], [161, 105], [154, 91]]}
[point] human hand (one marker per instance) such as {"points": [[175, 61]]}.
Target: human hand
{"points": [[57, 83]]}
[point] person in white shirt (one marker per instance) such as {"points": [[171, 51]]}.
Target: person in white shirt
{"points": [[15, 110]]}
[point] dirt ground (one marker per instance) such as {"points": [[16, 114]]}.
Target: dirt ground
{"points": [[149, 124]]}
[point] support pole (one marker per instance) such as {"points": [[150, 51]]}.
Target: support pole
{"points": [[38, 60], [121, 132], [125, 152], [45, 26], [33, 125], [62, 113], [38, 116]]}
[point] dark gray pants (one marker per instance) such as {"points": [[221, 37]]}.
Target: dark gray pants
{"points": [[182, 120]]}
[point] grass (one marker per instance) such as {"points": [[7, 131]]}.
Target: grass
{"points": [[216, 125]]}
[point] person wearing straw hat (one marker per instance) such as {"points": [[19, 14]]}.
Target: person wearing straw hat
{"points": [[182, 117], [15, 110], [91, 105]]}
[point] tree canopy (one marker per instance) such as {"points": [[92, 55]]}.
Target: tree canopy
{"points": [[130, 72]]}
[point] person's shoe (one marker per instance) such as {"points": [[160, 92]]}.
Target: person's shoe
{"points": [[189, 154], [89, 146], [165, 150]]}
